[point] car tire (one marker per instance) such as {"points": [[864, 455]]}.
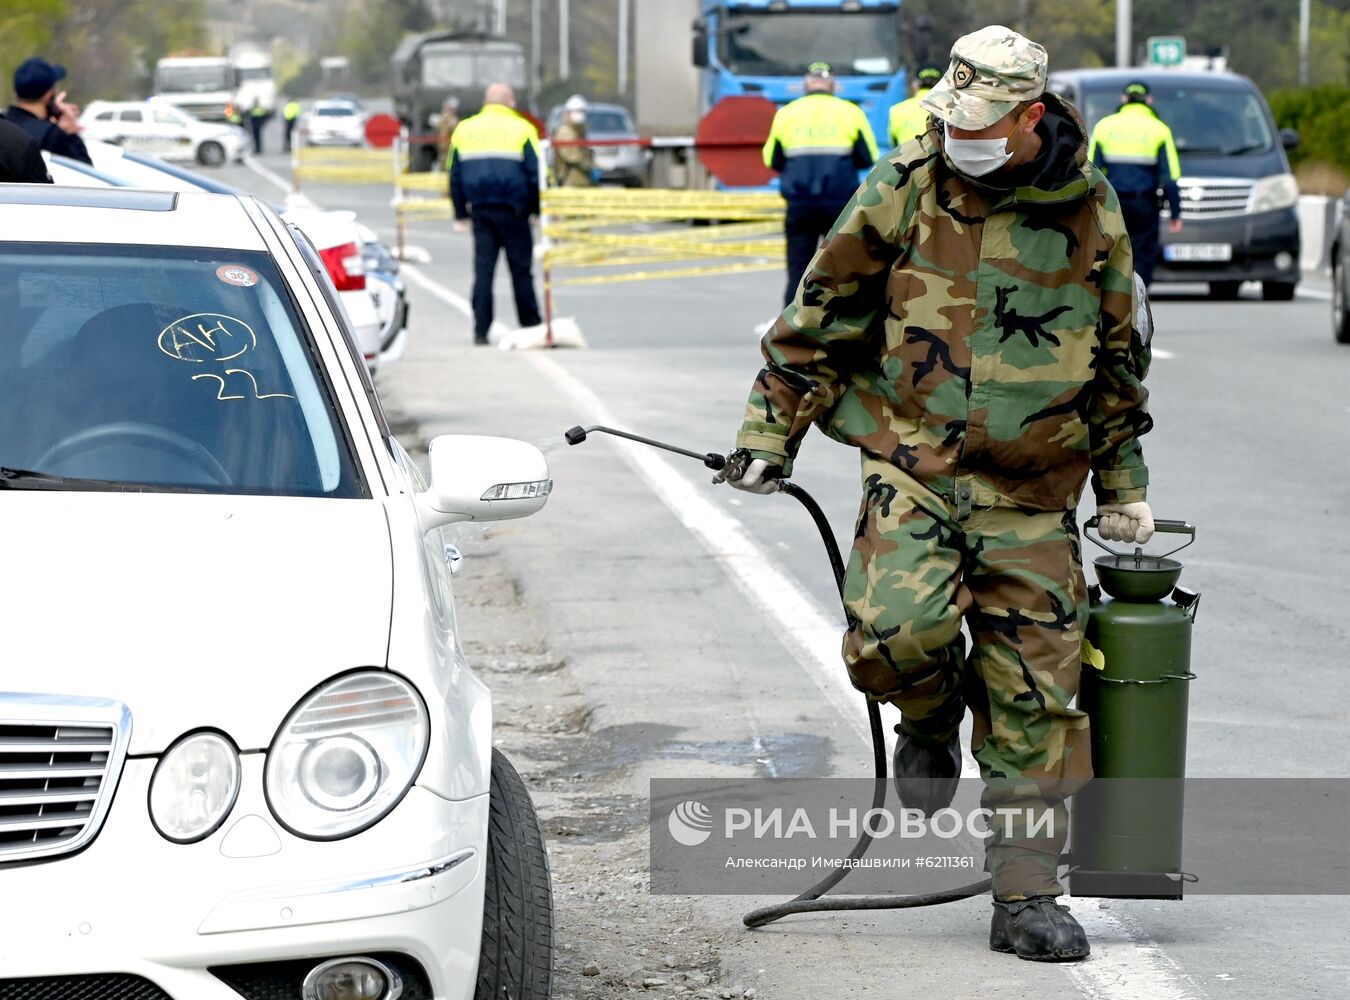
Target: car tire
{"points": [[1224, 291], [516, 958], [1278, 291], [211, 154], [1340, 308]]}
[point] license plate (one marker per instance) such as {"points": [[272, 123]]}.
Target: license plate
{"points": [[1198, 251]]}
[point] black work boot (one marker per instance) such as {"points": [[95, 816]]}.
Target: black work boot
{"points": [[926, 773], [1037, 929]]}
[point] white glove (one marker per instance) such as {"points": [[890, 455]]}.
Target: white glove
{"points": [[1125, 522], [753, 479]]}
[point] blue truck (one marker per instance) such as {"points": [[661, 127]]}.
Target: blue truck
{"points": [[763, 47]]}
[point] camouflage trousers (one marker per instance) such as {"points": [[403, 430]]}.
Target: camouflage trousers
{"points": [[1015, 577]]}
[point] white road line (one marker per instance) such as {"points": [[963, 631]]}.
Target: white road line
{"points": [[812, 636], [1314, 293], [453, 299], [1124, 965], [1164, 355], [294, 199]]}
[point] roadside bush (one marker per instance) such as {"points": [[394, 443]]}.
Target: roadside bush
{"points": [[1322, 117]]}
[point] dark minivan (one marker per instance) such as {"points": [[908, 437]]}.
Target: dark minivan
{"points": [[1238, 196]]}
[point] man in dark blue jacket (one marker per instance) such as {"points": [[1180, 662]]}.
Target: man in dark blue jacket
{"points": [[48, 118], [494, 184], [20, 159], [1135, 150], [818, 144]]}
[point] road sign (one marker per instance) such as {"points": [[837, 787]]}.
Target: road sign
{"points": [[381, 130], [731, 137], [1167, 51]]}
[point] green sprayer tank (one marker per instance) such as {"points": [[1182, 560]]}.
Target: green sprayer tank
{"points": [[1126, 824]]}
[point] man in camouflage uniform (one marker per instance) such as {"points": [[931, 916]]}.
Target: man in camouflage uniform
{"points": [[974, 326]]}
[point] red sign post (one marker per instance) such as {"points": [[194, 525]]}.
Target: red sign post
{"points": [[382, 130], [731, 139]]}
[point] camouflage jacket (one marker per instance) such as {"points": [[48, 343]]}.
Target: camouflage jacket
{"points": [[990, 342], [572, 165]]}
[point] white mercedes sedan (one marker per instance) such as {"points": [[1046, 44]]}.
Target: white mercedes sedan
{"points": [[241, 751]]}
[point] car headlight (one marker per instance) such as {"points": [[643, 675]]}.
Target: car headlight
{"points": [[346, 755], [1275, 192], [194, 787]]}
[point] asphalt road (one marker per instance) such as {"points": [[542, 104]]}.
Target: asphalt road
{"points": [[1252, 433]]}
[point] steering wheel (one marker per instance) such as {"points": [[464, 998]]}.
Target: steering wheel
{"points": [[145, 435]]}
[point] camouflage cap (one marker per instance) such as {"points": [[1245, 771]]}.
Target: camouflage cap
{"points": [[992, 70]]}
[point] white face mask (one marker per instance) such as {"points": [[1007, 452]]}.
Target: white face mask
{"points": [[978, 157]]}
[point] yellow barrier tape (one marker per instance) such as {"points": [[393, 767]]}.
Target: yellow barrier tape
{"points": [[682, 272], [555, 198], [434, 208], [757, 248], [343, 154], [608, 228], [343, 175], [345, 166], [435, 180]]}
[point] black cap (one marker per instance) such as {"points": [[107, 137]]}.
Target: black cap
{"points": [[1136, 90], [929, 74], [34, 77]]}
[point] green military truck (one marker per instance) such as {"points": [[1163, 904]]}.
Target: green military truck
{"points": [[430, 68]]}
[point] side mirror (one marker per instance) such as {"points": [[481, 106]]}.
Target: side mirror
{"points": [[700, 58], [1289, 138], [482, 479]]}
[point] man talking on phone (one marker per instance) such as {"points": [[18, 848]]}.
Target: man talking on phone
{"points": [[48, 118]]}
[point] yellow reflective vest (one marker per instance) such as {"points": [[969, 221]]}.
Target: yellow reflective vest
{"points": [[494, 160], [908, 118], [818, 143], [1134, 148]]}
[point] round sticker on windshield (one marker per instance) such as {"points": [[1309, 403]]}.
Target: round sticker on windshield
{"points": [[238, 275]]}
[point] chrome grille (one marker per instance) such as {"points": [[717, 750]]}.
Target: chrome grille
{"points": [[1214, 198], [59, 762]]}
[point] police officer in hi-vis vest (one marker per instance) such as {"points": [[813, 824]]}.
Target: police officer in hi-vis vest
{"points": [[1134, 149], [909, 118], [494, 184], [818, 144]]}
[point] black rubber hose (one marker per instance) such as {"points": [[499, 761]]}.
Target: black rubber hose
{"points": [[810, 901]]}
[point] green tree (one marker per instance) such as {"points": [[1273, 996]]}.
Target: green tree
{"points": [[371, 33], [1074, 32], [108, 46], [26, 29], [1260, 36]]}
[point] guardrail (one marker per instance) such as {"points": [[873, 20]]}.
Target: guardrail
{"points": [[1318, 217]]}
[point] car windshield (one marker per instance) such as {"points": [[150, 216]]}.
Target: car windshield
{"points": [[162, 368], [246, 74], [192, 79], [1204, 120], [335, 111], [612, 122], [785, 43], [462, 68]]}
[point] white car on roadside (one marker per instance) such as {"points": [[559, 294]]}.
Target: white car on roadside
{"points": [[337, 238], [157, 127], [241, 750], [333, 123]]}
